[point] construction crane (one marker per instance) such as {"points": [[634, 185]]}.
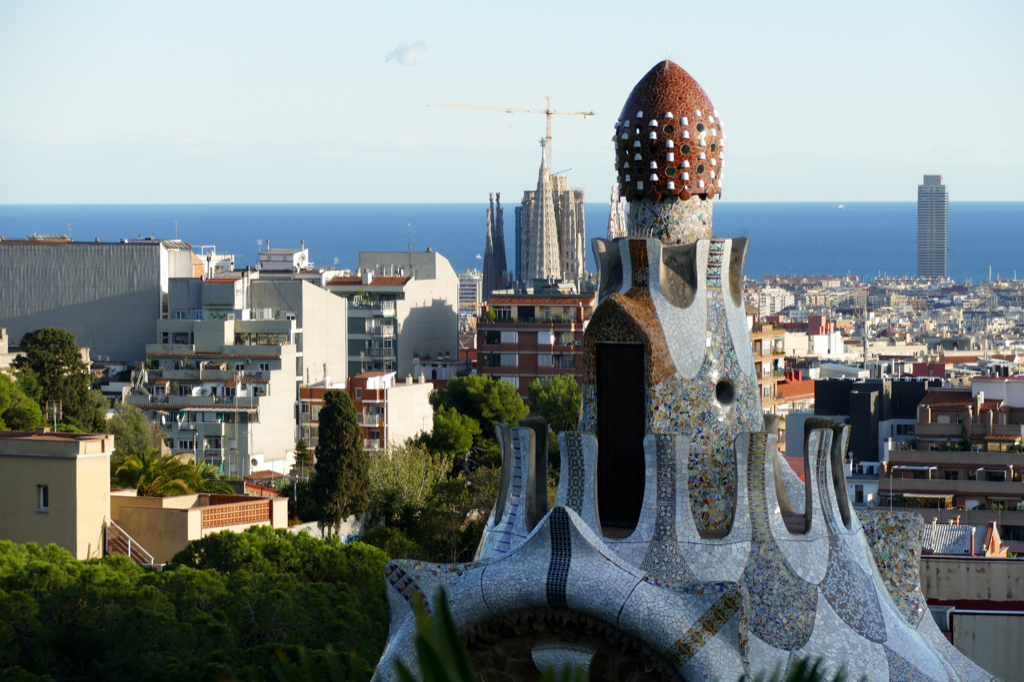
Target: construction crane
{"points": [[548, 112]]}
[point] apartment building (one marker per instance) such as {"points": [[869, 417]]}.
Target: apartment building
{"points": [[526, 336], [224, 377], [400, 305], [389, 411], [769, 346], [55, 488], [109, 295]]}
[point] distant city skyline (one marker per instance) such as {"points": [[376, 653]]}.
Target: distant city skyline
{"points": [[116, 102]]}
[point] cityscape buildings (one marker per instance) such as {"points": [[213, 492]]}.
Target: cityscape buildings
{"points": [[495, 267], [551, 231], [400, 305], [932, 228]]}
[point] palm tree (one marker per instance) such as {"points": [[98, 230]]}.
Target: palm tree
{"points": [[155, 476]]}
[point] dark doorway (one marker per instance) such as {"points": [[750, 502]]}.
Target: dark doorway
{"points": [[620, 431]]}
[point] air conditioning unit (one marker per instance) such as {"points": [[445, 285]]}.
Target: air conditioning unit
{"points": [[577, 343]]}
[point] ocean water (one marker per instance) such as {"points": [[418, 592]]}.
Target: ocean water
{"points": [[864, 239]]}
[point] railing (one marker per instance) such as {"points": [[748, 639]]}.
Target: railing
{"points": [[371, 444], [369, 420], [386, 307], [118, 542], [380, 352], [236, 514], [384, 332]]}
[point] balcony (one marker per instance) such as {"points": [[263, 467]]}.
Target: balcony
{"points": [[370, 420], [385, 308], [380, 352], [382, 331], [371, 444]]}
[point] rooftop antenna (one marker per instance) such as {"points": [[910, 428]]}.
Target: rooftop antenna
{"points": [[175, 230], [409, 234]]}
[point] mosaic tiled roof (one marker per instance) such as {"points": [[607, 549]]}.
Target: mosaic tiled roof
{"points": [[668, 139]]}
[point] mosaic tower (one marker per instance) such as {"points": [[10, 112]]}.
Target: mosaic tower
{"points": [[681, 546]]}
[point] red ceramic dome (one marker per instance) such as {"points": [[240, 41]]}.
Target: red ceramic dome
{"points": [[668, 139]]}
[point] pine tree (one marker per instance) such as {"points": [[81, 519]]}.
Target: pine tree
{"points": [[303, 457], [342, 482]]}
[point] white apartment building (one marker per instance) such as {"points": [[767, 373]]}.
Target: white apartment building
{"points": [[224, 378]]}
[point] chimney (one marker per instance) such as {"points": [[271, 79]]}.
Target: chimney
{"points": [[956, 520], [421, 379], [972, 540], [40, 430], [408, 379], [303, 244]]}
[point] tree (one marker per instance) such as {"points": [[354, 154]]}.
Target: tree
{"points": [[558, 400], [303, 457], [155, 476], [487, 400], [18, 412], [132, 430], [453, 432], [53, 357], [341, 485], [401, 478]]}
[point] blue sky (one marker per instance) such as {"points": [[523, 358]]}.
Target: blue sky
{"points": [[250, 102]]}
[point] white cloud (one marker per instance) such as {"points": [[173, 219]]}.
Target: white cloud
{"points": [[406, 54]]}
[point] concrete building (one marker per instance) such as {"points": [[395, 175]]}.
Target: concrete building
{"points": [[163, 526], [531, 336], [400, 304], [470, 296], [109, 295], [932, 228], [551, 231], [495, 267], [55, 488], [224, 377], [389, 411]]}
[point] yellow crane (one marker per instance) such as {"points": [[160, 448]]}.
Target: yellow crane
{"points": [[548, 112]]}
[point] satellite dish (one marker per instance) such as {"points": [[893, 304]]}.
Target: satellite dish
{"points": [[254, 461]]}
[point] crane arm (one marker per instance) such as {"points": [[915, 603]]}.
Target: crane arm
{"points": [[510, 110]]}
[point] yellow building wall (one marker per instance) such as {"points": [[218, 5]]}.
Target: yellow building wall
{"points": [[78, 530], [161, 532], [93, 500]]}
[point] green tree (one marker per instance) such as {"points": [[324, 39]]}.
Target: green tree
{"points": [[53, 356], [155, 476], [341, 485], [132, 430], [18, 412], [558, 400], [453, 432], [487, 400], [401, 479], [28, 382], [303, 457]]}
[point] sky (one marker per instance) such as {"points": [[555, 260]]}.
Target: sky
{"points": [[326, 102]]}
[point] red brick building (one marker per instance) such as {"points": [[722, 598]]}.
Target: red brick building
{"points": [[533, 335]]}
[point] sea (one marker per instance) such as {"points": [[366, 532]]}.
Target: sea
{"points": [[864, 239]]}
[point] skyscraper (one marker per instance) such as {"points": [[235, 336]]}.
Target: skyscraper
{"points": [[932, 228]]}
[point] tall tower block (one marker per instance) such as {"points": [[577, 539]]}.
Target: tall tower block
{"points": [[932, 228]]}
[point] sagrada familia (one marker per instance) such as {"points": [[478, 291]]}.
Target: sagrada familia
{"points": [[681, 546]]}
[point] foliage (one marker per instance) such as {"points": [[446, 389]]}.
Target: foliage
{"points": [[392, 542], [341, 484], [155, 476], [558, 400], [18, 412], [487, 400], [132, 430], [221, 610], [28, 382], [401, 478], [303, 457], [53, 357], [803, 670], [453, 432]]}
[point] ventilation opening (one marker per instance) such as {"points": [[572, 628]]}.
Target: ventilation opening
{"points": [[839, 437], [725, 392], [620, 428]]}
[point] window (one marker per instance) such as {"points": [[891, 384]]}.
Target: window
{"points": [[543, 360], [858, 494], [995, 476], [952, 475], [545, 338], [972, 475], [186, 445], [959, 419], [213, 443], [374, 435], [922, 474], [239, 366], [44, 497], [264, 366], [509, 360], [180, 338], [503, 312], [359, 394], [509, 337], [316, 412], [566, 361], [566, 338], [492, 338]]}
